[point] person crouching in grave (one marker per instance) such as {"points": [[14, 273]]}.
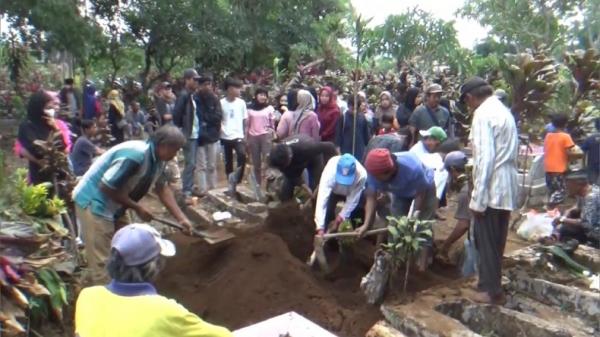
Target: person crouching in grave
{"points": [[129, 305], [296, 154], [344, 179], [406, 179]]}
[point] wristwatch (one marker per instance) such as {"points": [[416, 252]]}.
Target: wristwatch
{"points": [[562, 219]]}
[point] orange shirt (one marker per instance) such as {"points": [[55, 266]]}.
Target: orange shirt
{"points": [[556, 147]]}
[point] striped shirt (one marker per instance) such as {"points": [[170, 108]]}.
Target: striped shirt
{"points": [[495, 144], [128, 167]]}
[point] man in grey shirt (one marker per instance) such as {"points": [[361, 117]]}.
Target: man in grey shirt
{"points": [[431, 113]]}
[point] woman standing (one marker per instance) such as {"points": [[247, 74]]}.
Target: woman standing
{"points": [[302, 119], [116, 116], [260, 130], [328, 112], [350, 137], [405, 110], [38, 125], [386, 107]]}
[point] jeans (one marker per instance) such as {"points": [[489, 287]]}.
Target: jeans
{"points": [[240, 151], [207, 165], [259, 147], [189, 153]]}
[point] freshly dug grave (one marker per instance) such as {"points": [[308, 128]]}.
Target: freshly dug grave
{"points": [[254, 278], [263, 274]]}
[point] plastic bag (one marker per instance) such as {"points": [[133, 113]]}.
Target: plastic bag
{"points": [[537, 225], [374, 284]]}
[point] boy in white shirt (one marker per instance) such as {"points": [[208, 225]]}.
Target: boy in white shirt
{"points": [[232, 129]]}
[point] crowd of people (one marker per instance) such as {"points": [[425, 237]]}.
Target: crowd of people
{"points": [[399, 158]]}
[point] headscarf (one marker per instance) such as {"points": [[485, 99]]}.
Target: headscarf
{"points": [[391, 110], [115, 99], [328, 115], [255, 104], [411, 97], [306, 103], [89, 101]]}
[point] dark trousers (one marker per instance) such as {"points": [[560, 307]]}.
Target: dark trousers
{"points": [[240, 151], [287, 187], [490, 232], [334, 199]]}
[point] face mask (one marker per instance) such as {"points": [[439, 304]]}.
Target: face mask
{"points": [[49, 112]]}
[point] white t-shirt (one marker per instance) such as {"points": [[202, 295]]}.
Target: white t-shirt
{"points": [[234, 114], [435, 162], [195, 122]]}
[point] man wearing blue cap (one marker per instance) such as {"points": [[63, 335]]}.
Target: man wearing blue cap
{"points": [[129, 305], [343, 179]]}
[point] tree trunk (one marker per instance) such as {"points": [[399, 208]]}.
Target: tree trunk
{"points": [[407, 269]]}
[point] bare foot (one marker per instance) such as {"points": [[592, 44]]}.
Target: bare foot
{"points": [[482, 297]]}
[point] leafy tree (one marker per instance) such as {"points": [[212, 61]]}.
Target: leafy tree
{"points": [[417, 37], [525, 23]]}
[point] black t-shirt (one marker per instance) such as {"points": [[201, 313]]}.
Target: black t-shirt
{"points": [[306, 152]]}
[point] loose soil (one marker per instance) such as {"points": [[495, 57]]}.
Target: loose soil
{"points": [[263, 274]]}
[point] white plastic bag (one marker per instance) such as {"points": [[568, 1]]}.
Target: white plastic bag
{"points": [[536, 226]]}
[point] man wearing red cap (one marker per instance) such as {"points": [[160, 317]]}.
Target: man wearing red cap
{"points": [[406, 179]]}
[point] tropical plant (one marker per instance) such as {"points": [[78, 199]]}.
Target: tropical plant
{"points": [[533, 77], [407, 236]]}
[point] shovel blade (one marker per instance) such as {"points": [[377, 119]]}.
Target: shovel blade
{"points": [[214, 236]]}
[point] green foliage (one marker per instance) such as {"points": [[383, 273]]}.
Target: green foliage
{"points": [[58, 292], [34, 199], [533, 78], [523, 23], [417, 37], [406, 238]]}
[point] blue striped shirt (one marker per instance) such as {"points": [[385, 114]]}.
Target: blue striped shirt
{"points": [[122, 167], [495, 144]]}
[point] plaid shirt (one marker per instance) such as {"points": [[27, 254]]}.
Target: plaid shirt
{"points": [[495, 144]]}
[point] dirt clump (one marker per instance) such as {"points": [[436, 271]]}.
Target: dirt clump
{"points": [[255, 277]]}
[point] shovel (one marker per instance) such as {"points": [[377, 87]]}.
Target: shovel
{"points": [[211, 237], [318, 253]]}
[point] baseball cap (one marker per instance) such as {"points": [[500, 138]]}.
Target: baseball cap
{"points": [[455, 159], [434, 132], [346, 170], [577, 175], [190, 73], [434, 88], [471, 84], [139, 243]]}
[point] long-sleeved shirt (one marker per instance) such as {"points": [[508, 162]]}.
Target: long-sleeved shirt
{"points": [[435, 162], [495, 144], [345, 132], [328, 185], [309, 126]]}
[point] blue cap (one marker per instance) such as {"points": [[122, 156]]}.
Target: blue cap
{"points": [[346, 170], [140, 243], [455, 159]]}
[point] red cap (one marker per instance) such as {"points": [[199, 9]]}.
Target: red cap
{"points": [[379, 161]]}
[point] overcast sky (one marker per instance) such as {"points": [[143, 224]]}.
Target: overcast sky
{"points": [[468, 31]]}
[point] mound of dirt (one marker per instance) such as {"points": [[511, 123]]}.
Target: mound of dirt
{"points": [[255, 277]]}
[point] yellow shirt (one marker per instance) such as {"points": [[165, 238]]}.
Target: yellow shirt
{"points": [[101, 312]]}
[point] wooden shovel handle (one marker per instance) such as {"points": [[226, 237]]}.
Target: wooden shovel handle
{"points": [[354, 234]]}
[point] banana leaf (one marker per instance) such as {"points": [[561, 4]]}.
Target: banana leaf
{"points": [[561, 254]]}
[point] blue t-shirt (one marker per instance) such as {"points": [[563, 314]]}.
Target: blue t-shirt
{"points": [[82, 154], [411, 178]]}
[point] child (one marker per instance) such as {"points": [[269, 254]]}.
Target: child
{"points": [[351, 138], [557, 149], [387, 125], [84, 150]]}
